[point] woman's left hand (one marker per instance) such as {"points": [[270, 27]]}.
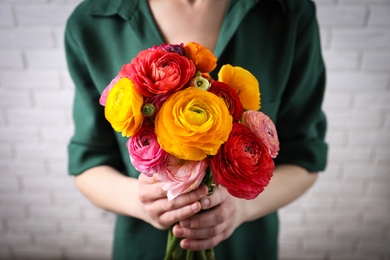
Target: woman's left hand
{"points": [[221, 215]]}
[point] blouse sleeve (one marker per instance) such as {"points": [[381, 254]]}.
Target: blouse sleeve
{"points": [[93, 142], [301, 122]]}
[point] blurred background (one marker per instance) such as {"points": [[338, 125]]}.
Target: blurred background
{"points": [[345, 216]]}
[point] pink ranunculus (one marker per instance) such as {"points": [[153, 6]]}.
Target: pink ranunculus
{"points": [[104, 95], [145, 153], [263, 127], [157, 71], [181, 176]]}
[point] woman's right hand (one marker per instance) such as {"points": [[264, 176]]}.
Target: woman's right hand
{"points": [[161, 213]]}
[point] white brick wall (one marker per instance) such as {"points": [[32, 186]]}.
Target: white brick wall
{"points": [[345, 216]]}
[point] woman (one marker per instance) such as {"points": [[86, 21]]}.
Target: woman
{"points": [[277, 40]]}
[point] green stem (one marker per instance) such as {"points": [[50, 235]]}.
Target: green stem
{"points": [[172, 244]]}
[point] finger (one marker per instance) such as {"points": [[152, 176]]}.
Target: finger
{"points": [[203, 233], [201, 244], [171, 217], [185, 199], [215, 199], [207, 219], [148, 192]]}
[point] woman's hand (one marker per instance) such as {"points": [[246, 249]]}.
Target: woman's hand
{"points": [[160, 212], [221, 216]]}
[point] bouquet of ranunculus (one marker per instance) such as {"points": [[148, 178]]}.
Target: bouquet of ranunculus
{"points": [[189, 128]]}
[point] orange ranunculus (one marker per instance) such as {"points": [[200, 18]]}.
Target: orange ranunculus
{"points": [[192, 124], [244, 82], [204, 60], [123, 107]]}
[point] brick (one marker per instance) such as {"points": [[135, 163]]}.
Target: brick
{"points": [[347, 155], [37, 252], [6, 16], [9, 185], [379, 15], [89, 253], [18, 168], [70, 200], [17, 211], [6, 151], [347, 60], [96, 214], [49, 184], [336, 138], [361, 39], [383, 155], [10, 200], [337, 101], [57, 168], [54, 98], [87, 228], [335, 187], [315, 249], [17, 134], [23, 37], [377, 139], [57, 212], [53, 58], [18, 98], [373, 102], [378, 218], [378, 61], [42, 117], [61, 240], [364, 172], [11, 59], [361, 120], [57, 134], [361, 82], [15, 240], [5, 254], [31, 79], [342, 15], [30, 15], [31, 227]]}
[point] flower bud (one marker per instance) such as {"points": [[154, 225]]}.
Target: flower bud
{"points": [[148, 110]]}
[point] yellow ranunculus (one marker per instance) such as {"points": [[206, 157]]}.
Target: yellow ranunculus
{"points": [[123, 107], [204, 60], [192, 124], [244, 82]]}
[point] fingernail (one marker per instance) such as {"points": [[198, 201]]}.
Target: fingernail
{"points": [[178, 231], [205, 202], [195, 206]]}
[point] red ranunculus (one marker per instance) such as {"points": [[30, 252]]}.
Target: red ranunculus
{"points": [[230, 97], [243, 164], [157, 71]]}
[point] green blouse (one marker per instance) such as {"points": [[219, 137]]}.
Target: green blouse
{"points": [[277, 40]]}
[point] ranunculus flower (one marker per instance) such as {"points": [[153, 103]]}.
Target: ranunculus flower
{"points": [[177, 48], [242, 165], [244, 83], [230, 97], [181, 176], [192, 124], [205, 61], [158, 71], [145, 153], [104, 95], [263, 127], [123, 107]]}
